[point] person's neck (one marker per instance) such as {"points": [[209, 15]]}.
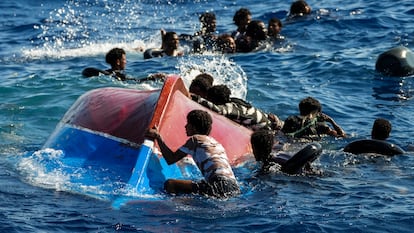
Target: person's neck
{"points": [[170, 52], [115, 68]]}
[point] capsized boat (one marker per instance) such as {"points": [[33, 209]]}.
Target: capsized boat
{"points": [[102, 140]]}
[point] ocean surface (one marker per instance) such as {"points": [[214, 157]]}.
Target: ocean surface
{"points": [[329, 55]]}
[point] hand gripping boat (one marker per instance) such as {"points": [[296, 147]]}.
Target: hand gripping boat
{"points": [[102, 140]]}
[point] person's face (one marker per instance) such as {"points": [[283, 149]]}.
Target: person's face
{"points": [[122, 62], [229, 45], [189, 129], [210, 25], [261, 31], [173, 42], [256, 153], [274, 29], [244, 22], [259, 153], [197, 91]]}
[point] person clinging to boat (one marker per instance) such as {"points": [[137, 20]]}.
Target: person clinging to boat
{"points": [[312, 123], [201, 84], [219, 100], [209, 155]]}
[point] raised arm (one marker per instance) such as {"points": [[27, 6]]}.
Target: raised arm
{"points": [[339, 132]]}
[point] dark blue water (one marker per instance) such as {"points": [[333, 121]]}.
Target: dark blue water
{"points": [[330, 55]]}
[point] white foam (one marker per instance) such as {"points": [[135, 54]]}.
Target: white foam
{"points": [[220, 67]]}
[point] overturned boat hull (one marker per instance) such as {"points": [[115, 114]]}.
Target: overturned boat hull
{"points": [[102, 140]]}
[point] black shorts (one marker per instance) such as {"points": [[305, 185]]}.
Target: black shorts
{"points": [[219, 187]]}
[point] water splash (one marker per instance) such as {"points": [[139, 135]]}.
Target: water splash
{"points": [[224, 71], [82, 28]]}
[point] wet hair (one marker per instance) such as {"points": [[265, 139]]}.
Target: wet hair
{"points": [[381, 129], [256, 29], [168, 36], [201, 84], [299, 8], [219, 94], [200, 120], [262, 144], [309, 105], [241, 14], [277, 21], [113, 55], [223, 43], [207, 77], [207, 17]]}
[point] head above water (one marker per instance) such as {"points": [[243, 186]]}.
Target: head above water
{"points": [[242, 17], [381, 129], [201, 84], [274, 27], [219, 94], [200, 120], [262, 144], [256, 29], [208, 22], [116, 57], [299, 8], [226, 43], [309, 105], [170, 41]]}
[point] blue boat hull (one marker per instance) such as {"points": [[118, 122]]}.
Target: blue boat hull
{"points": [[104, 150]]}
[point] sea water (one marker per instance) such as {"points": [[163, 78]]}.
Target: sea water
{"points": [[329, 55]]}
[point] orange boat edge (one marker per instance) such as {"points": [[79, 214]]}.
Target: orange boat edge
{"points": [[101, 138]]}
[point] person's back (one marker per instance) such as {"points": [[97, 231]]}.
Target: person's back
{"points": [[378, 143], [209, 155], [238, 110]]}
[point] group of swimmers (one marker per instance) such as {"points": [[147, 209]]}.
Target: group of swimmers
{"points": [[249, 35], [219, 180]]}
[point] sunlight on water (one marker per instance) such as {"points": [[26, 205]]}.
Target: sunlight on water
{"points": [[221, 68], [36, 173], [75, 29], [59, 52], [330, 55]]}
